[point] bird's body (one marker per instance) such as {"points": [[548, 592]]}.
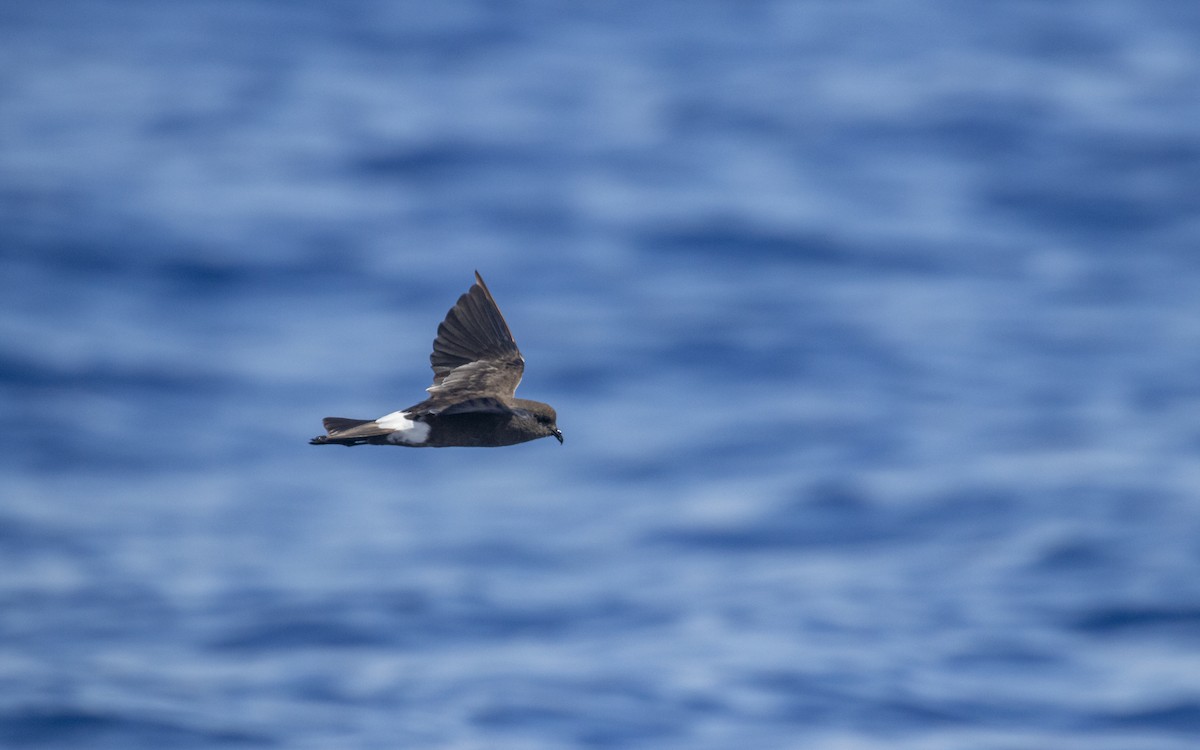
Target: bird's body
{"points": [[476, 370]]}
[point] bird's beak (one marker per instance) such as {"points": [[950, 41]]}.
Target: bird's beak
{"points": [[558, 434]]}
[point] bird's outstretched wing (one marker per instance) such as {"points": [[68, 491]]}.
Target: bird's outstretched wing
{"points": [[474, 355]]}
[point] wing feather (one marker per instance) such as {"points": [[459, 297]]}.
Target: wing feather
{"points": [[474, 352]]}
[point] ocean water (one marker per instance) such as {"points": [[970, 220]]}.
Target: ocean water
{"points": [[873, 329]]}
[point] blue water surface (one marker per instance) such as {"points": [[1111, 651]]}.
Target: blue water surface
{"points": [[873, 329]]}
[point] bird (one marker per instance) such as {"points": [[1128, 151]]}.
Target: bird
{"points": [[476, 370]]}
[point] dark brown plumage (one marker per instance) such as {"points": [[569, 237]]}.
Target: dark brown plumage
{"points": [[476, 370]]}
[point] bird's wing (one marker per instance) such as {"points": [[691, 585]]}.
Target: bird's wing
{"points": [[474, 354], [472, 406]]}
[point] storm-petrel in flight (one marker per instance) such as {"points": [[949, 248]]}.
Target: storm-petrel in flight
{"points": [[476, 370]]}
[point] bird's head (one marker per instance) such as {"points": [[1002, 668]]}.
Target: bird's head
{"points": [[547, 421]]}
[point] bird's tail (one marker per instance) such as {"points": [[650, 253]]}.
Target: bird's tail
{"points": [[342, 431]]}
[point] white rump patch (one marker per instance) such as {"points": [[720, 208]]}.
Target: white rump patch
{"points": [[405, 430]]}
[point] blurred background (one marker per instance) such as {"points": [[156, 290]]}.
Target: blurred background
{"points": [[873, 329]]}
